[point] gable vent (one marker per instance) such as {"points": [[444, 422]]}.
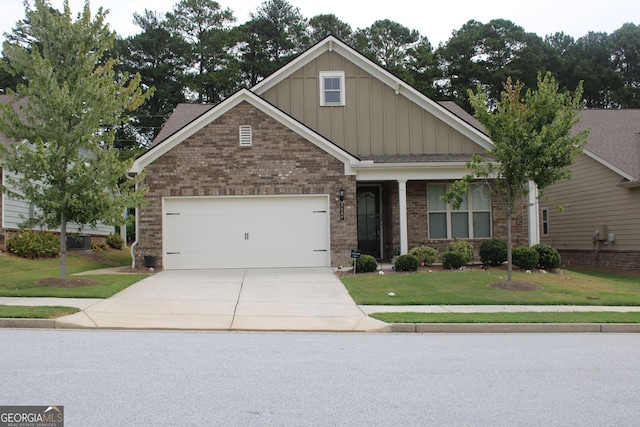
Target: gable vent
{"points": [[245, 136]]}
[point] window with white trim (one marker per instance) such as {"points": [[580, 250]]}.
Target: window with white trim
{"points": [[471, 221], [332, 90], [545, 221]]}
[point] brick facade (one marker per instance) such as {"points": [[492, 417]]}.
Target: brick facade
{"points": [[280, 162], [623, 261]]}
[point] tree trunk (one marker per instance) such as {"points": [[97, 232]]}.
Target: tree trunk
{"points": [[509, 248], [63, 247]]}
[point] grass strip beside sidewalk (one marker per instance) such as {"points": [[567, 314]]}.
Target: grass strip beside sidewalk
{"points": [[35, 312], [527, 317]]}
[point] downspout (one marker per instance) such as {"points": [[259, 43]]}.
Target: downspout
{"points": [[135, 242]]}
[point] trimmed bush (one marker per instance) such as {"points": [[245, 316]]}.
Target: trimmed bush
{"points": [[493, 251], [464, 247], [366, 264], [548, 257], [407, 262], [33, 244], [425, 254], [115, 241], [525, 257], [453, 260]]}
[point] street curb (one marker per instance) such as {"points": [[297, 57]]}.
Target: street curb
{"points": [[420, 328], [514, 328]]}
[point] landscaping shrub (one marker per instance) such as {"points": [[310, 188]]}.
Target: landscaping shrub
{"points": [[115, 241], [453, 260], [425, 254], [525, 257], [548, 257], [366, 264], [464, 247], [407, 262], [493, 251], [33, 244]]}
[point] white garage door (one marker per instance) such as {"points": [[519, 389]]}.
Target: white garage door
{"points": [[245, 232]]}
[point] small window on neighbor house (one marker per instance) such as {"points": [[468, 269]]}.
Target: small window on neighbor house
{"points": [[545, 222], [332, 88], [246, 139]]}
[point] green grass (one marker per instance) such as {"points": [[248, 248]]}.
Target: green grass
{"points": [[471, 287], [18, 276], [28, 312], [553, 317]]}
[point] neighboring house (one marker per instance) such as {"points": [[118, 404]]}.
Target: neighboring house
{"points": [[329, 154], [13, 212], [599, 224]]}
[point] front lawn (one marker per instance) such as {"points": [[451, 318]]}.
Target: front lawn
{"points": [[473, 287], [20, 276]]}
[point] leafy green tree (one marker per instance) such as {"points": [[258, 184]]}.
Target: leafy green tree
{"points": [[276, 33], [533, 141], [205, 27], [157, 55], [321, 26], [626, 61], [69, 169], [487, 54]]}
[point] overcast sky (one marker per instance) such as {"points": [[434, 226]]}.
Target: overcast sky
{"points": [[433, 19]]}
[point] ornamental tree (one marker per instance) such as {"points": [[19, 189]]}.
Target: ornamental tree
{"points": [[532, 142], [64, 161]]}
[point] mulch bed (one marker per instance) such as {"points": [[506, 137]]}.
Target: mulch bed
{"points": [[72, 282]]}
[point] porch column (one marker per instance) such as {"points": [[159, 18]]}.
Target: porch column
{"points": [[534, 215], [402, 192]]}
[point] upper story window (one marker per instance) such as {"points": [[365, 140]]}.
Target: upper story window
{"points": [[471, 221], [332, 88]]}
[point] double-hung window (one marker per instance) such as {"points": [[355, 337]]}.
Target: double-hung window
{"points": [[332, 88], [471, 221]]}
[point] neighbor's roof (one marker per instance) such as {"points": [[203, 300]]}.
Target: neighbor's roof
{"points": [[5, 100], [614, 139]]}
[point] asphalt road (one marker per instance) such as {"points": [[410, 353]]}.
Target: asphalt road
{"points": [[131, 378]]}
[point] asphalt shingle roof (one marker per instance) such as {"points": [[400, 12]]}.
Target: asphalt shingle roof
{"points": [[614, 137]]}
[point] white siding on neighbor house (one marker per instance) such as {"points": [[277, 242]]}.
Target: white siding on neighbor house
{"points": [[591, 199], [15, 212]]}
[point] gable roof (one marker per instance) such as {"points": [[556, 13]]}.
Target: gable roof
{"points": [[192, 118], [332, 44], [614, 140]]}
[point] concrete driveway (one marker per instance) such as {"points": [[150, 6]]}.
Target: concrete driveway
{"points": [[301, 299]]}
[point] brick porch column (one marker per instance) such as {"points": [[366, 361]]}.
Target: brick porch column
{"points": [[402, 192]]}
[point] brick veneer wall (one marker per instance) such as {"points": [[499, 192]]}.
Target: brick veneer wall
{"points": [[280, 162], [611, 260]]}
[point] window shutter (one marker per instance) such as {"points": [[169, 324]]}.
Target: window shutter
{"points": [[245, 136]]}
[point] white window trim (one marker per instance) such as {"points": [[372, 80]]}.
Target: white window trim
{"points": [[470, 211], [332, 74]]}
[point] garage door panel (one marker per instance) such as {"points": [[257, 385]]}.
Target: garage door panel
{"points": [[246, 232]]}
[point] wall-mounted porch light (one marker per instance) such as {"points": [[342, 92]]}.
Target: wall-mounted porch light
{"points": [[341, 204], [342, 194]]}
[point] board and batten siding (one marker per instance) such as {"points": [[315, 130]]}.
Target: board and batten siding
{"points": [[591, 199], [15, 212], [375, 120]]}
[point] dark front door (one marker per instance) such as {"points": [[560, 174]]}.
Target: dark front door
{"points": [[369, 221]]}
